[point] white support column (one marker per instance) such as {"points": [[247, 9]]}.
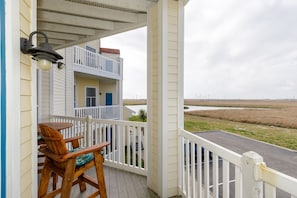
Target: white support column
{"points": [[13, 119], [180, 85], [165, 93], [252, 187], [163, 98]]}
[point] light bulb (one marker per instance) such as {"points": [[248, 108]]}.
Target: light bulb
{"points": [[44, 64]]}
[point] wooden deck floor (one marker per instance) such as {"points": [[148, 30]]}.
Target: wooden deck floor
{"points": [[119, 184]]}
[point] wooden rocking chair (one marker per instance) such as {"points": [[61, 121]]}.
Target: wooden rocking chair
{"points": [[70, 165]]}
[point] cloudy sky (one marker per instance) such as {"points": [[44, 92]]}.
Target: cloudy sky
{"points": [[234, 49]]}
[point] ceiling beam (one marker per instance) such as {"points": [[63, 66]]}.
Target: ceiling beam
{"points": [[137, 6], [62, 36], [53, 42], [79, 9], [119, 28], [47, 16], [65, 28]]}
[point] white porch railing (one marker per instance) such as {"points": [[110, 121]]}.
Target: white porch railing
{"points": [[99, 112], [205, 169], [128, 140], [209, 170], [85, 58]]}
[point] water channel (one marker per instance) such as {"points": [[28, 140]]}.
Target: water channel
{"points": [[136, 108]]}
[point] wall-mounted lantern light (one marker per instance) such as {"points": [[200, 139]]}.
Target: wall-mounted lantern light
{"points": [[44, 53]]}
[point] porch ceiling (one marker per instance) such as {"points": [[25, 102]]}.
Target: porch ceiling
{"points": [[69, 22]]}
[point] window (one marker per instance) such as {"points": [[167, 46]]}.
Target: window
{"points": [[90, 97]]}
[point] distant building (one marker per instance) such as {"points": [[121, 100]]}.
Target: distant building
{"points": [[89, 84]]}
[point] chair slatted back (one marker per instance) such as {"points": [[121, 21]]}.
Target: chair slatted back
{"points": [[54, 140]]}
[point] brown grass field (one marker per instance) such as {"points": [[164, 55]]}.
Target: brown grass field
{"points": [[272, 121], [279, 113]]}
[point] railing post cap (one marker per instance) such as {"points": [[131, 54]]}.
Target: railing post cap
{"points": [[252, 156]]}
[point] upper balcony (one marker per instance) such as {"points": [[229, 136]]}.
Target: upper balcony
{"points": [[85, 61]]}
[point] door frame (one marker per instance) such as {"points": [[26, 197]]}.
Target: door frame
{"points": [[3, 101]]}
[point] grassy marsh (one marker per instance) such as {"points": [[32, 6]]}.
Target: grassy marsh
{"points": [[272, 121]]}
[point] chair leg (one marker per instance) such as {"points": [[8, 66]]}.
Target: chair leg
{"points": [[44, 180], [68, 178], [82, 184], [100, 174], [40, 167], [55, 180]]}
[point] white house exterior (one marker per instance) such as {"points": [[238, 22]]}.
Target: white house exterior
{"points": [[90, 83]]}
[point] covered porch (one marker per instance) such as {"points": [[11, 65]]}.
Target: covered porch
{"points": [[97, 19], [172, 161]]}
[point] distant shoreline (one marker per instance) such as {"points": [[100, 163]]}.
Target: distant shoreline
{"points": [[249, 103]]}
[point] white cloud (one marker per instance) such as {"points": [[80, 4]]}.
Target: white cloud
{"points": [[246, 50], [233, 49]]}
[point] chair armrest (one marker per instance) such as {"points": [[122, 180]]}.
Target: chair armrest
{"points": [[74, 141], [90, 149], [73, 138], [62, 158]]}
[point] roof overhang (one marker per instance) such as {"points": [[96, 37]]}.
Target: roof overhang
{"points": [[70, 22]]}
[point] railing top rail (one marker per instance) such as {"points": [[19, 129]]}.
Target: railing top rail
{"points": [[120, 122], [97, 54], [231, 156], [68, 117], [98, 107], [277, 179]]}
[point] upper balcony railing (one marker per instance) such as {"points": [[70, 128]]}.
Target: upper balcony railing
{"points": [[99, 112], [88, 59]]}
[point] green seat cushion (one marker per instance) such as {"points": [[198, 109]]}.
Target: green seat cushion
{"points": [[83, 159]]}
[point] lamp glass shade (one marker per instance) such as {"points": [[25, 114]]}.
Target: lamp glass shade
{"points": [[44, 64]]}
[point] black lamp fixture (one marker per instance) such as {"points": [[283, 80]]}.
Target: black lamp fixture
{"points": [[44, 53]]}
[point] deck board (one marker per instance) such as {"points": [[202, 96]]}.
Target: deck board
{"points": [[119, 184], [120, 181]]}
